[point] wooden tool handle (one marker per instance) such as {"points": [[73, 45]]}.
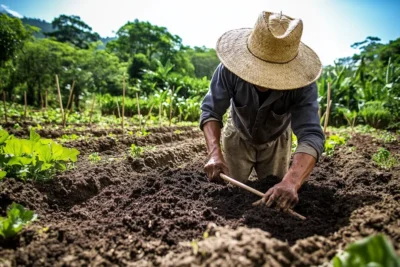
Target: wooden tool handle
{"points": [[256, 192]]}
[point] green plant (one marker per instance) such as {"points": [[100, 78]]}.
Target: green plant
{"points": [[373, 251], [136, 151], [70, 137], [33, 158], [350, 116], [142, 133], [376, 115], [387, 137], [94, 157], [331, 142], [384, 159], [17, 218]]}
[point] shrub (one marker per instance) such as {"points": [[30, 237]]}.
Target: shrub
{"points": [[376, 115]]}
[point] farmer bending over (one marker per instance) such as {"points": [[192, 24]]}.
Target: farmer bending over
{"points": [[267, 78]]}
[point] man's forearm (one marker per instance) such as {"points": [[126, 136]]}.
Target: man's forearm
{"points": [[212, 134], [300, 170]]}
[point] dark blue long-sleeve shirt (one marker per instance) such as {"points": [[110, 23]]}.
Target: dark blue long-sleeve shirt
{"points": [[264, 123]]}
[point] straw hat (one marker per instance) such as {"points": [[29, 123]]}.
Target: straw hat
{"points": [[271, 54]]}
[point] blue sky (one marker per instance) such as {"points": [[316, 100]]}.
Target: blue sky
{"points": [[330, 26]]}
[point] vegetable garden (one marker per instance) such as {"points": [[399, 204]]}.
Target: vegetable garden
{"points": [[143, 199], [102, 165]]}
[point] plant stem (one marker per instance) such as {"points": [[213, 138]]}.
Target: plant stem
{"points": [[5, 106], [170, 105], [138, 107], [25, 104], [91, 111], [60, 100], [123, 103], [328, 107]]}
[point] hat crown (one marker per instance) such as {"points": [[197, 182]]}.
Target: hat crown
{"points": [[275, 37]]}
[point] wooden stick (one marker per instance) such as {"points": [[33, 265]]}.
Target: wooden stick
{"points": [[41, 100], [328, 107], [138, 107], [256, 192], [123, 103], [72, 103], [159, 115], [60, 100], [25, 104], [5, 106], [91, 111], [45, 100], [70, 94], [148, 115], [69, 101], [170, 105], [119, 113]]}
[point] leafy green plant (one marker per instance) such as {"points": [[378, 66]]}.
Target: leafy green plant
{"points": [[33, 158], [350, 116], [70, 137], [375, 114], [373, 251], [331, 142], [387, 137], [136, 151], [142, 133], [94, 157], [17, 218], [384, 159]]}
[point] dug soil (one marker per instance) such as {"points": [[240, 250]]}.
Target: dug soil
{"points": [[160, 210]]}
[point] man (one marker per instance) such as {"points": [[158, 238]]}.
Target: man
{"points": [[267, 78]]}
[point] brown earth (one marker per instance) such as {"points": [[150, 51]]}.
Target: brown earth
{"points": [[126, 211]]}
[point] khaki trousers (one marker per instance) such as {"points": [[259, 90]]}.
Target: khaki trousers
{"points": [[272, 158]]}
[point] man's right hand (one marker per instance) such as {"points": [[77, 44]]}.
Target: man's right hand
{"points": [[216, 165]]}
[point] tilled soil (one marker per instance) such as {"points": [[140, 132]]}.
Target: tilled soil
{"points": [[145, 211]]}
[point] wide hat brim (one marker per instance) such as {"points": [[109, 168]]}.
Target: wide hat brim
{"points": [[234, 54]]}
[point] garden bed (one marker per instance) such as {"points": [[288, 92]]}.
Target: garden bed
{"points": [[145, 211]]}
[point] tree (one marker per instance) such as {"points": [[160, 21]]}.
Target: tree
{"points": [[143, 37], [71, 29], [12, 37], [204, 60], [38, 64]]}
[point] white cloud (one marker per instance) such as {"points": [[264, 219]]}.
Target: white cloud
{"points": [[9, 11]]}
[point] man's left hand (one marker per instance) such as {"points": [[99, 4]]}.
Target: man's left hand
{"points": [[282, 195]]}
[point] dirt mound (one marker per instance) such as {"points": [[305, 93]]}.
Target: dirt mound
{"points": [[225, 246]]}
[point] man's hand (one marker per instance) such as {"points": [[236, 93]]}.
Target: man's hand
{"points": [[215, 165], [282, 195], [216, 162]]}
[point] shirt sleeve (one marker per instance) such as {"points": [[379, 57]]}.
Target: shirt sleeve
{"points": [[217, 100], [305, 121]]}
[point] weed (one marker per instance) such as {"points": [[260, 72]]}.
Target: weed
{"points": [[332, 142], [94, 157], [384, 159], [136, 151]]}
